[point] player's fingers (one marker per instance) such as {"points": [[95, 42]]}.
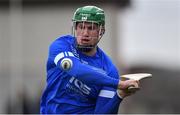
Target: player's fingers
{"points": [[137, 81], [135, 84]]}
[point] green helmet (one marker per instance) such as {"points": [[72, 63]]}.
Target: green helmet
{"points": [[89, 14]]}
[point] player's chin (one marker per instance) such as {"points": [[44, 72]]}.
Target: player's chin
{"points": [[86, 44]]}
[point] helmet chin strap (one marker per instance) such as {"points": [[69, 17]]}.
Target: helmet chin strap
{"points": [[86, 48]]}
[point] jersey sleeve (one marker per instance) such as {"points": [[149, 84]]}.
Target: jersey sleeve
{"points": [[63, 57], [108, 100]]}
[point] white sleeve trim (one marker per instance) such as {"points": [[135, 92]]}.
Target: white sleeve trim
{"points": [[61, 55], [66, 54], [107, 93], [58, 57], [70, 54], [118, 93]]}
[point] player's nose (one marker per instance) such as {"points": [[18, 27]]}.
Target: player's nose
{"points": [[85, 32]]}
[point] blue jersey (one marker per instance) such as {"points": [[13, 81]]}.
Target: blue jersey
{"points": [[89, 86]]}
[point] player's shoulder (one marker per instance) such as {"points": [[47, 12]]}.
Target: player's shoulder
{"points": [[62, 42], [65, 38]]}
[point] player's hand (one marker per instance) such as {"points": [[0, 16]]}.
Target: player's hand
{"points": [[124, 93], [127, 88], [124, 85]]}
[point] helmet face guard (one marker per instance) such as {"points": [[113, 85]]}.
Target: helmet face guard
{"points": [[90, 14]]}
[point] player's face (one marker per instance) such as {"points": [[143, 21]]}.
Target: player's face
{"points": [[87, 33]]}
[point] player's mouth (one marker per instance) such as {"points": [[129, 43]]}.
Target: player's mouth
{"points": [[85, 41]]}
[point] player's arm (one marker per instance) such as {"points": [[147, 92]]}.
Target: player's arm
{"points": [[67, 62], [86, 73], [110, 98], [108, 101]]}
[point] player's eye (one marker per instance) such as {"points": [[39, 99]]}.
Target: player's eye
{"points": [[90, 28], [81, 27]]}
